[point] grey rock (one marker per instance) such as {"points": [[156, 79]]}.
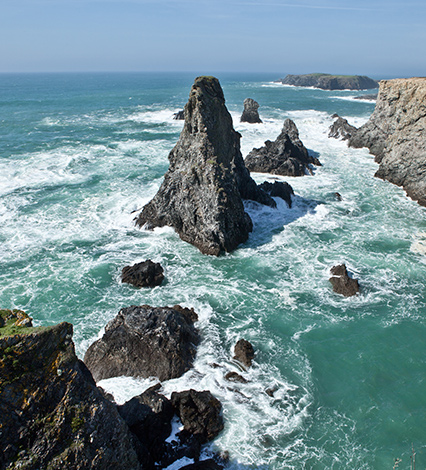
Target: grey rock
{"points": [[244, 352], [145, 274], [179, 116], [342, 283], [250, 112], [285, 156], [341, 129], [144, 342], [326, 81], [202, 192], [366, 97]]}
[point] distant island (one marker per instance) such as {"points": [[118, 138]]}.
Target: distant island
{"points": [[326, 81]]}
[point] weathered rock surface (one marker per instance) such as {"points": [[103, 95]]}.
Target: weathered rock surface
{"points": [[250, 112], [326, 81], [396, 135], [341, 129], [145, 341], [244, 352], [201, 195], [285, 156], [278, 189], [372, 97], [233, 376], [145, 274], [52, 414], [179, 116], [342, 283]]}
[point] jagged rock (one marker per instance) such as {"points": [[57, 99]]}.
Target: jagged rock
{"points": [[52, 414], [285, 156], [244, 352], [145, 274], [179, 116], [250, 113], [14, 320], [341, 129], [235, 377], [278, 189], [209, 464], [199, 412], [396, 135], [342, 283], [201, 195], [145, 341], [326, 81]]}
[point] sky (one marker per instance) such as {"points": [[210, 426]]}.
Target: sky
{"points": [[380, 38]]}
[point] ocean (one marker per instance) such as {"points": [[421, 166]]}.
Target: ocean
{"points": [[80, 153]]}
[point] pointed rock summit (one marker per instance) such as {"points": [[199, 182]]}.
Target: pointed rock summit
{"points": [[201, 195]]}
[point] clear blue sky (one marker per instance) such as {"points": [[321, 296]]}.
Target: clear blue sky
{"points": [[373, 37]]}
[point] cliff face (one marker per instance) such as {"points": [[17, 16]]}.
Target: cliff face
{"points": [[396, 135], [52, 414], [326, 81], [201, 195]]}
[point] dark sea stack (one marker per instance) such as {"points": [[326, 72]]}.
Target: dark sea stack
{"points": [[200, 413], [244, 352], [250, 112], [326, 81], [201, 195], [342, 283], [145, 341], [52, 414], [279, 189], [145, 274], [286, 156], [341, 129], [396, 135]]}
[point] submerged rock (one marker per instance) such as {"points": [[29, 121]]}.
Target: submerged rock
{"points": [[244, 352], [396, 135], [250, 112], [202, 192], [341, 129], [145, 341], [145, 274], [342, 283], [285, 156], [52, 414]]}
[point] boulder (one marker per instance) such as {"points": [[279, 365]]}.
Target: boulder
{"points": [[52, 414], [285, 156], [199, 412], [145, 274], [202, 194], [396, 135], [250, 113], [342, 283], [244, 352], [279, 189], [233, 376], [145, 341], [341, 129]]}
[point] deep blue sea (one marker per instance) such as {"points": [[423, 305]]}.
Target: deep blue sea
{"points": [[79, 153]]}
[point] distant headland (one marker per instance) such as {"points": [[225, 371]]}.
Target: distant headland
{"points": [[326, 81]]}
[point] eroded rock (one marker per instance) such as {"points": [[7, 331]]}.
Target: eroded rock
{"points": [[244, 352], [250, 112], [342, 283], [341, 129], [145, 274]]}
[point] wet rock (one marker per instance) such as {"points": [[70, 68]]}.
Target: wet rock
{"points": [[279, 189], [145, 274], [342, 283], [202, 194], [341, 129], [200, 413], [244, 352], [235, 377], [179, 116], [285, 156], [250, 112], [209, 464], [145, 341]]}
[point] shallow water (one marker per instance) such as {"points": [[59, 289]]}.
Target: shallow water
{"points": [[80, 153]]}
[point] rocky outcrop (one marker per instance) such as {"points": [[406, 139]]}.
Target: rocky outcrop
{"points": [[285, 156], [144, 342], [279, 189], [341, 129], [372, 97], [244, 352], [145, 274], [326, 81], [179, 116], [250, 112], [202, 192], [396, 135], [52, 414], [342, 283]]}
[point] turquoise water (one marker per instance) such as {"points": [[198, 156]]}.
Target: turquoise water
{"points": [[80, 152]]}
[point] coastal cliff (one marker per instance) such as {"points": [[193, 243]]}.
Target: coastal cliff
{"points": [[326, 81], [396, 135]]}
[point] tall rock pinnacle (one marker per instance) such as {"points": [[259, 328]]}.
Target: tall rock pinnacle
{"points": [[201, 195]]}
